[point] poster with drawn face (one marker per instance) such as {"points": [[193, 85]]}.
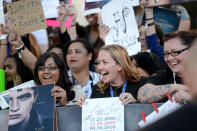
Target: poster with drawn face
{"points": [[4, 96], [119, 16], [31, 109]]}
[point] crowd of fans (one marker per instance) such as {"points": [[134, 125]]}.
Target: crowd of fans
{"points": [[83, 67]]}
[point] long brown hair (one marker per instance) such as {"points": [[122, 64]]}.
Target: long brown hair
{"points": [[121, 57]]}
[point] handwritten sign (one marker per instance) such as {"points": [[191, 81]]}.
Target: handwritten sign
{"points": [[119, 16], [2, 20], [103, 114], [50, 8], [26, 16], [4, 96], [164, 110]]}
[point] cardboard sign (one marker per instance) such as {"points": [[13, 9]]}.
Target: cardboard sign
{"points": [[2, 20], [119, 16], [26, 16], [103, 114]]}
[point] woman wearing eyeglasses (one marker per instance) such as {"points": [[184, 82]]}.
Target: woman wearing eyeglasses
{"points": [[50, 68], [169, 80]]}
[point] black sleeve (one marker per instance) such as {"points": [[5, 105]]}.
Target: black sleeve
{"points": [[96, 92], [64, 38], [161, 77], [134, 87]]}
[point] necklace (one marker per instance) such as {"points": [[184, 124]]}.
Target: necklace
{"points": [[112, 93]]}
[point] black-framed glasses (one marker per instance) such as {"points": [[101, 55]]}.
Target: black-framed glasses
{"points": [[50, 68], [174, 53]]}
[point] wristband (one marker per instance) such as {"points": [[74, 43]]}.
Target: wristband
{"points": [[149, 18], [21, 48]]}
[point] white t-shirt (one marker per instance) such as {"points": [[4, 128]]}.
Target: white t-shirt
{"points": [[87, 88]]}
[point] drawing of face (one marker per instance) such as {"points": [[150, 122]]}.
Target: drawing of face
{"points": [[20, 105], [114, 32], [119, 22]]}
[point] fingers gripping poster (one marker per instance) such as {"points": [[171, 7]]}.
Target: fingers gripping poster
{"points": [[119, 16]]}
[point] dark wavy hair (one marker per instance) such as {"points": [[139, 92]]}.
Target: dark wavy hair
{"points": [[59, 46], [87, 46], [186, 37], [146, 62], [63, 81], [24, 72]]}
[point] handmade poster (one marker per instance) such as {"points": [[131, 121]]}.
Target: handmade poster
{"points": [[50, 8], [41, 36], [119, 16], [164, 110], [26, 16], [2, 20], [103, 114], [68, 19], [31, 109], [168, 20], [166, 2], [4, 96]]}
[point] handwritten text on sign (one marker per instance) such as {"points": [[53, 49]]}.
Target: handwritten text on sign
{"points": [[26, 16], [103, 114]]}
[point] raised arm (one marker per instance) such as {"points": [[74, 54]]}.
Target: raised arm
{"points": [[27, 57], [63, 12], [3, 52], [3, 46]]}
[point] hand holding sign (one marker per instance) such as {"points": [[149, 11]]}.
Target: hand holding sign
{"points": [[15, 39], [103, 31], [145, 3], [62, 13], [65, 11], [3, 32]]}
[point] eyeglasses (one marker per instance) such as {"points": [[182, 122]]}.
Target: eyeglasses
{"points": [[174, 53], [50, 68]]}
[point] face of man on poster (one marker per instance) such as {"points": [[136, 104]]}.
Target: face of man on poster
{"points": [[21, 103]]}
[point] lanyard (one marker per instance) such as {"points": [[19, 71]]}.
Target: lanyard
{"points": [[123, 89]]}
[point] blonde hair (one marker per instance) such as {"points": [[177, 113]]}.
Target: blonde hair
{"points": [[35, 49], [121, 57]]}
